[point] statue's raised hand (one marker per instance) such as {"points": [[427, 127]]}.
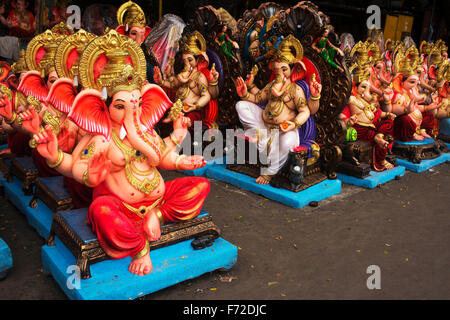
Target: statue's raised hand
{"points": [[6, 108], [98, 168], [30, 120], [181, 123], [157, 75], [47, 144], [213, 75], [241, 87], [314, 86]]}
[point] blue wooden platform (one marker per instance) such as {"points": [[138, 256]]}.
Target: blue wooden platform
{"points": [[6, 261], [318, 192], [40, 218], [374, 179], [111, 279], [424, 164]]}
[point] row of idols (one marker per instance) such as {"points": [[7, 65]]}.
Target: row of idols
{"points": [[107, 111]]}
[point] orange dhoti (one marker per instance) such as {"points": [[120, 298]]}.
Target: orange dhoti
{"points": [[120, 229]]}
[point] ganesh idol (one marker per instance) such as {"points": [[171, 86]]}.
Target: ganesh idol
{"points": [[370, 122], [37, 75], [442, 95], [132, 22], [286, 119], [414, 117], [121, 156], [196, 86]]}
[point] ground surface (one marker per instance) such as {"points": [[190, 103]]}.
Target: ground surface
{"points": [[285, 253]]}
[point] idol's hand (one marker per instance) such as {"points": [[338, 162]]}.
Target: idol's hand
{"points": [[241, 87], [287, 126], [30, 120], [314, 86], [66, 139], [191, 163], [250, 79], [157, 75], [181, 123], [98, 169], [47, 144], [213, 75], [6, 109], [353, 119]]}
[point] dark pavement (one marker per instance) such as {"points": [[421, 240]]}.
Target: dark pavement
{"points": [[284, 253]]}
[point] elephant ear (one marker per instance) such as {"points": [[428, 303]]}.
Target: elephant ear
{"points": [[33, 84], [90, 113], [155, 103], [62, 95]]}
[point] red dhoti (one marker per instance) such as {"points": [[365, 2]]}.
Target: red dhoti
{"points": [[208, 114], [404, 128], [18, 143], [428, 122], [120, 230], [368, 133]]}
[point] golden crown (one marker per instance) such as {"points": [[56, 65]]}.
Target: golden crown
{"points": [[407, 62], [441, 45], [116, 74], [425, 47], [62, 28], [193, 44], [390, 45], [443, 72], [131, 15], [77, 41], [289, 51], [48, 40], [20, 65], [434, 56], [128, 80], [359, 75], [365, 54]]}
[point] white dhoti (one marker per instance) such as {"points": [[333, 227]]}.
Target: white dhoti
{"points": [[274, 143]]}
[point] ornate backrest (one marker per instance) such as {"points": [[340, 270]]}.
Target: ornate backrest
{"points": [[208, 21]]}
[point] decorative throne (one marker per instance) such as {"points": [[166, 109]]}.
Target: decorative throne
{"points": [[305, 167]]}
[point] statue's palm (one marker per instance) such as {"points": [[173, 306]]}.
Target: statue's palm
{"points": [[99, 166], [5, 107], [30, 120]]}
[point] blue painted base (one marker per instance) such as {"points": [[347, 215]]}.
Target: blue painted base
{"points": [[374, 179], [318, 192], [111, 279], [40, 218], [202, 171], [414, 142], [6, 261], [424, 164], [448, 145]]}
